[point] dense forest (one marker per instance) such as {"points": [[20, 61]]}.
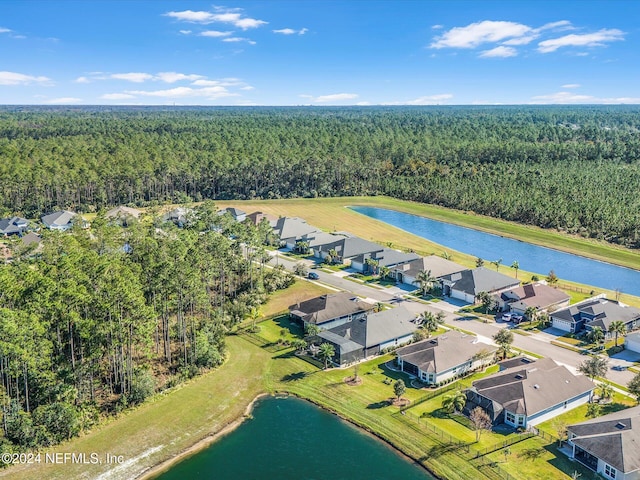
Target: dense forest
{"points": [[575, 169], [94, 321]]}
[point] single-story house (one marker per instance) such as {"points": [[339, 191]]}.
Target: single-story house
{"points": [[524, 396], [289, 230], [316, 240], [237, 214], [349, 247], [30, 239], [445, 356], [123, 215], [13, 226], [62, 220], [632, 342], [179, 216], [608, 445], [593, 312], [467, 284], [515, 362], [385, 258], [439, 267], [537, 295], [330, 310], [370, 334], [257, 217]]}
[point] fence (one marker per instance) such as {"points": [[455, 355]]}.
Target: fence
{"points": [[504, 444]]}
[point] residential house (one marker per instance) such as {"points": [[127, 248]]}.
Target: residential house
{"points": [[123, 215], [386, 258], [13, 226], [608, 445], [179, 216], [439, 267], [537, 295], [515, 362], [445, 356], [61, 220], [314, 241], [524, 396], [467, 284], [370, 334], [597, 311], [30, 239], [257, 217], [329, 310], [237, 214], [289, 230], [348, 248]]}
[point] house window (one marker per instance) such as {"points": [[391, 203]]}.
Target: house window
{"points": [[511, 418], [609, 471], [521, 420]]}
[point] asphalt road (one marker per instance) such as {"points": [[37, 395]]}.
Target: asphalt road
{"points": [[537, 343]]}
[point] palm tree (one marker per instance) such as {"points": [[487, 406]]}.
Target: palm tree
{"points": [[429, 323], [516, 266], [378, 307], [531, 313], [384, 271], [497, 263], [326, 352], [425, 281], [479, 262], [596, 335], [333, 253], [605, 390], [617, 328], [454, 402]]}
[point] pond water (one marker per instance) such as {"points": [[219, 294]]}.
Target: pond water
{"points": [[532, 258], [293, 439]]}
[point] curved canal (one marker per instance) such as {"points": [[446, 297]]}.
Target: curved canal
{"points": [[532, 258], [291, 438]]}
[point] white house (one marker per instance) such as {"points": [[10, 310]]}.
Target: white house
{"points": [[466, 285], [62, 220], [445, 356], [407, 273], [524, 396]]}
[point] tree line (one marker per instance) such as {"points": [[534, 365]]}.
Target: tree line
{"points": [[572, 168], [94, 321]]}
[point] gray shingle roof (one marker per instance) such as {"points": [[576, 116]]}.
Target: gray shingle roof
{"points": [[613, 438], [443, 352], [438, 266], [602, 311], [480, 279], [387, 257], [534, 388], [123, 211], [59, 219], [389, 324], [327, 307], [346, 344], [287, 228], [352, 246]]}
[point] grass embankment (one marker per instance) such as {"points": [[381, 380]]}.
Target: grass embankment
{"points": [[330, 214]]}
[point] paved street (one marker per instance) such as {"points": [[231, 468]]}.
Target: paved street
{"points": [[537, 343]]}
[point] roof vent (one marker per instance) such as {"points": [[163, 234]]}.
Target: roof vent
{"points": [[532, 370], [536, 386], [620, 425], [519, 376]]}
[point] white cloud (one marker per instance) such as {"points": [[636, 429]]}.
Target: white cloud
{"points": [[561, 25], [437, 99], [63, 100], [291, 31], [437, 27], [172, 77], [570, 98], [597, 39], [363, 104], [571, 85], [481, 32], [499, 52], [238, 39], [335, 97], [185, 32], [222, 15], [116, 96], [248, 87], [210, 93], [14, 78], [525, 40], [82, 80], [214, 33], [4, 30], [135, 77]]}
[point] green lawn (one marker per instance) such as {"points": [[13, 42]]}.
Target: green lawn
{"points": [[270, 330]]}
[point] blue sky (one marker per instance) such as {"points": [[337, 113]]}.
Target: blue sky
{"points": [[297, 52]]}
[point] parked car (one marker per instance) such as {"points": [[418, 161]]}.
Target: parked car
{"points": [[313, 276], [506, 317], [517, 319], [619, 367]]}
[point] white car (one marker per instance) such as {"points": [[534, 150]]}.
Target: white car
{"points": [[506, 317]]}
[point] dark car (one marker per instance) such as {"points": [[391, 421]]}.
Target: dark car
{"points": [[313, 276], [619, 367]]}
